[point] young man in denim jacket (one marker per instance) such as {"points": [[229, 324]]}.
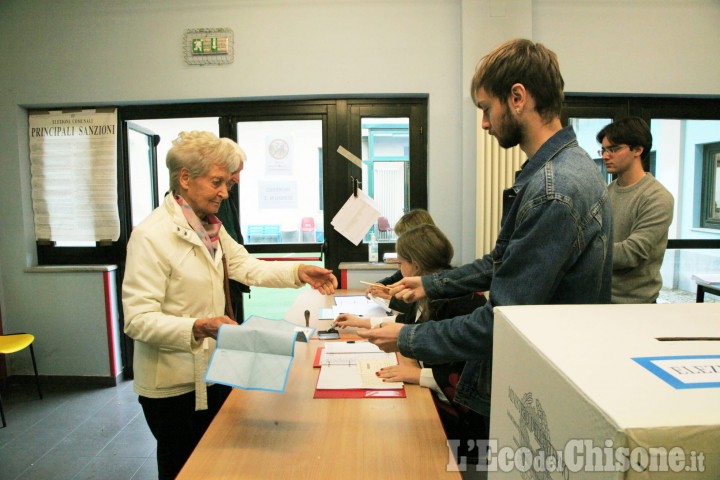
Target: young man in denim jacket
{"points": [[555, 241]]}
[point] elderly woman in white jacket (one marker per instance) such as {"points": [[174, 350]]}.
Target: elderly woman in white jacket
{"points": [[173, 293]]}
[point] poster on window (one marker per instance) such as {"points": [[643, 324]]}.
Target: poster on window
{"points": [[277, 195], [279, 155], [73, 164]]}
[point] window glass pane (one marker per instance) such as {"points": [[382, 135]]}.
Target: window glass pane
{"points": [[678, 147], [586, 130], [386, 166], [140, 159], [168, 130], [715, 196], [679, 265], [281, 182], [667, 166]]}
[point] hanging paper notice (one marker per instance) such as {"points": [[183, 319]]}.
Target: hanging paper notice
{"points": [[73, 161], [356, 217]]}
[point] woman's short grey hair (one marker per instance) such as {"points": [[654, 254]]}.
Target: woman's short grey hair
{"points": [[198, 152]]}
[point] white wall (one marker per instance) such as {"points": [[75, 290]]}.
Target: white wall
{"points": [[637, 46], [107, 52]]}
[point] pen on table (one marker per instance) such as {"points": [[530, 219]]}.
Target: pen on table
{"points": [[379, 285], [307, 318]]}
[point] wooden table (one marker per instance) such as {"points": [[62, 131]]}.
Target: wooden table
{"points": [[288, 436]]}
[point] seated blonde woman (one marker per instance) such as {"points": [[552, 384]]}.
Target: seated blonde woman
{"points": [[421, 250]]}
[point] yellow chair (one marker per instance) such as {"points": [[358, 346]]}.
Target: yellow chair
{"points": [[14, 342]]}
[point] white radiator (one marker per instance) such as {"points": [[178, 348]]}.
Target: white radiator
{"points": [[496, 167], [389, 190]]}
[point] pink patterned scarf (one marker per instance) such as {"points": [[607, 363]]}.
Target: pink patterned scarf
{"points": [[208, 230]]}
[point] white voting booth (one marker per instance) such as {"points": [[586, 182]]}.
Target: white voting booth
{"points": [[606, 392]]}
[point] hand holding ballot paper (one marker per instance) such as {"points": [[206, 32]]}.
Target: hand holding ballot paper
{"points": [[345, 320], [378, 292], [256, 355]]}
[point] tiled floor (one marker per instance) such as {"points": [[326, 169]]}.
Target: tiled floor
{"points": [[681, 296], [75, 432]]}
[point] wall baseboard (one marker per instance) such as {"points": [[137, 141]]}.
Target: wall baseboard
{"points": [[64, 380]]}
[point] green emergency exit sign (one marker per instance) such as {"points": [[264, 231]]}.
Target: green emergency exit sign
{"points": [[210, 46]]}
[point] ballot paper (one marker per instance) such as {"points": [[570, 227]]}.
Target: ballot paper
{"points": [[352, 365], [360, 306], [255, 355], [356, 217], [367, 369], [384, 303]]}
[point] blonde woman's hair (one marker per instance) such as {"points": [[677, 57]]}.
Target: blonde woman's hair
{"points": [[198, 152], [427, 247], [411, 219]]}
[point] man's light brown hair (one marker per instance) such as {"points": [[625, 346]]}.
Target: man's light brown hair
{"points": [[522, 61]]}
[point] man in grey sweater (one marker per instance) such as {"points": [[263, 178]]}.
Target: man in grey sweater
{"points": [[642, 212]]}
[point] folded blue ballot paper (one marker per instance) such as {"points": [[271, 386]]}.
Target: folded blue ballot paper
{"points": [[255, 355]]}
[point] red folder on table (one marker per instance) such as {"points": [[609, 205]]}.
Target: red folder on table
{"points": [[352, 392], [318, 356], [360, 393]]}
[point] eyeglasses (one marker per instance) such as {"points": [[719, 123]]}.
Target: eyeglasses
{"points": [[611, 149]]}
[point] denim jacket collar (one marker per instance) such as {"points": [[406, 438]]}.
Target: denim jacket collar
{"points": [[559, 141]]}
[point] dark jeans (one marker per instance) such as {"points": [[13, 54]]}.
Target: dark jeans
{"points": [[178, 428]]}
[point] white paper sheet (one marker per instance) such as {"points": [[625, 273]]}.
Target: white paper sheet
{"points": [[352, 365], [360, 306], [352, 346], [368, 378], [344, 353], [356, 217]]}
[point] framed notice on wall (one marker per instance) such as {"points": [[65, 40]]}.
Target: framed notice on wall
{"points": [[73, 158]]}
